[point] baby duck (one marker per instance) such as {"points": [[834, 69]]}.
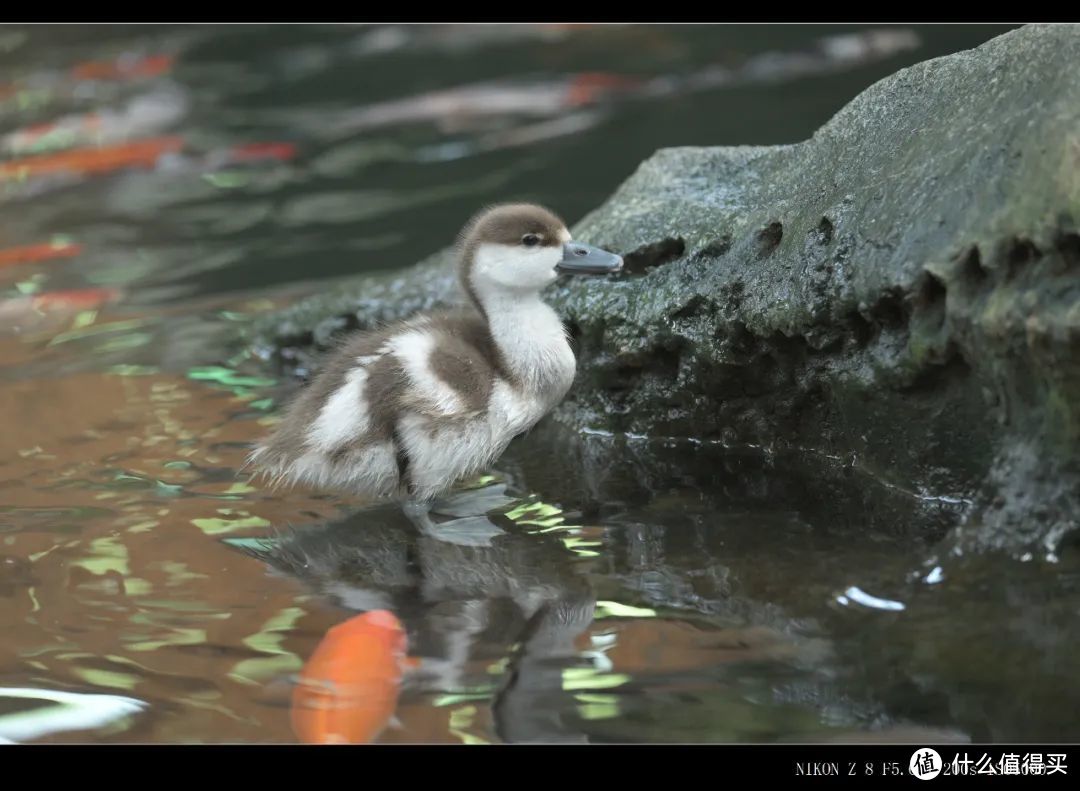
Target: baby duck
{"points": [[406, 411]]}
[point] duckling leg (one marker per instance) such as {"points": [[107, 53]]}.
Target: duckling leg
{"points": [[472, 531]]}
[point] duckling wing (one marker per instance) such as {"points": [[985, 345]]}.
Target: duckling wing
{"points": [[338, 431], [445, 378], [444, 430]]}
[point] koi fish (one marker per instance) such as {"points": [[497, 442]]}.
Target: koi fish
{"points": [[35, 313], [348, 690], [74, 299], [382, 39], [34, 175], [125, 67], [255, 152], [590, 87], [34, 253], [471, 105], [139, 153], [144, 115], [43, 88], [456, 107]]}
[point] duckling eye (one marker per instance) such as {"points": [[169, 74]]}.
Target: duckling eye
{"points": [[530, 240]]}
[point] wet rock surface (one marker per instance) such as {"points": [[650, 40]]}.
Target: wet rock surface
{"points": [[901, 291]]}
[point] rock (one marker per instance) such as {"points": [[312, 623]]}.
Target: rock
{"points": [[902, 290]]}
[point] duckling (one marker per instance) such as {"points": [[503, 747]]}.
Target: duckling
{"points": [[406, 411]]}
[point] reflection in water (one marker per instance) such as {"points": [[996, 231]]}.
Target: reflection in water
{"points": [[451, 598], [44, 712], [106, 476], [519, 630]]}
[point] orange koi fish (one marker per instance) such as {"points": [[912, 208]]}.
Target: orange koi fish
{"points": [[38, 252], [76, 299], [248, 152], [348, 690], [142, 116], [49, 86], [140, 153], [589, 87], [495, 99], [123, 68], [38, 313]]}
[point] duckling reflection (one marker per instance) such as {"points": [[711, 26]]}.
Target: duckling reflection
{"points": [[460, 606]]}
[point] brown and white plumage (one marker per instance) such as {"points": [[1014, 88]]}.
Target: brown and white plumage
{"points": [[408, 410]]}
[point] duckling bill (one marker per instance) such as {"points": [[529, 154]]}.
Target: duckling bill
{"points": [[407, 411]]}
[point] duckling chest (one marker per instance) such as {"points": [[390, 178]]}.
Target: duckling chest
{"points": [[512, 411], [542, 375], [537, 387], [534, 347], [529, 397]]}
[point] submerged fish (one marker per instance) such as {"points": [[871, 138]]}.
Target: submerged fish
{"points": [[146, 114], [74, 299], [30, 176], [33, 253], [348, 690], [463, 106], [257, 152], [382, 39], [139, 153], [39, 312], [467, 106], [44, 88], [126, 67]]}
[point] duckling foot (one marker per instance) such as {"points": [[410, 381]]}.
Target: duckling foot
{"points": [[470, 531], [473, 502]]}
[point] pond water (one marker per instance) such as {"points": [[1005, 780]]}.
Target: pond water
{"points": [[161, 186]]}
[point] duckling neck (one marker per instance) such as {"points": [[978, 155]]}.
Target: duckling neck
{"points": [[532, 342]]}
